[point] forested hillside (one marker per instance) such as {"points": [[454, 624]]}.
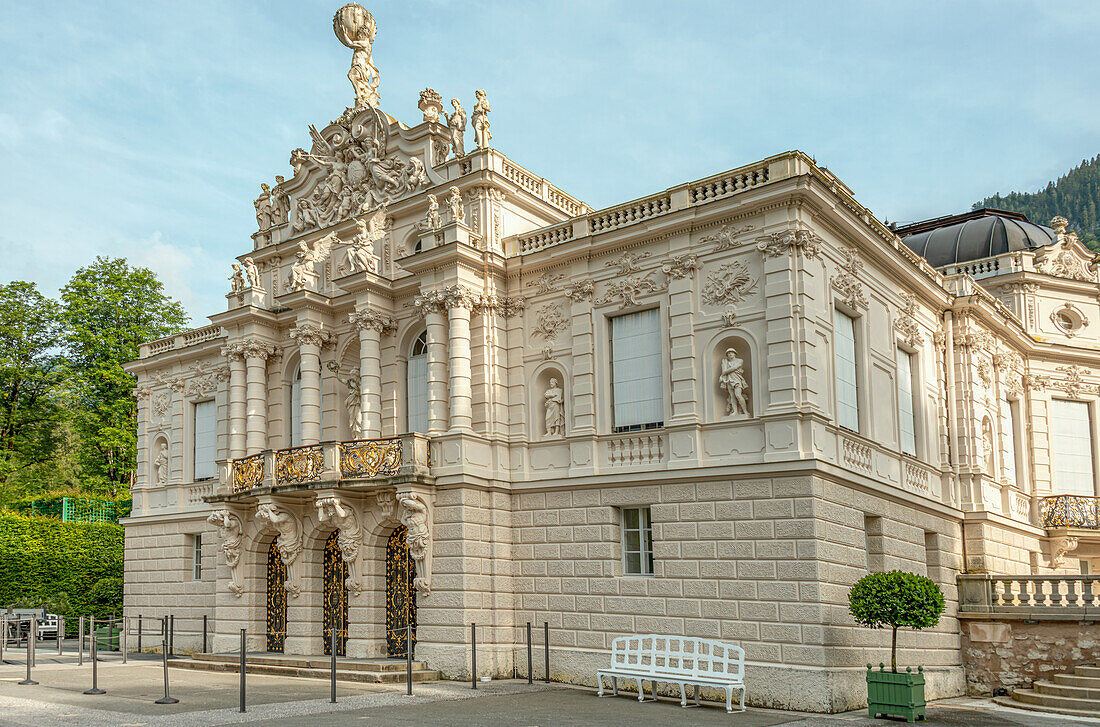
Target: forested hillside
{"points": [[1075, 196]]}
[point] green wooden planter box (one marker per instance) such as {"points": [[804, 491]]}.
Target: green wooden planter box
{"points": [[897, 695]]}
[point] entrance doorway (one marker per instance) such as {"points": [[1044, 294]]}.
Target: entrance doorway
{"points": [[276, 600], [335, 596], [400, 594]]}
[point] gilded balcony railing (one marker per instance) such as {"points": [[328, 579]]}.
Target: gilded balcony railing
{"points": [[370, 458], [1070, 511], [247, 473], [299, 464]]}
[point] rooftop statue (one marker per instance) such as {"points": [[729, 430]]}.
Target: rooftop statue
{"points": [[355, 28]]}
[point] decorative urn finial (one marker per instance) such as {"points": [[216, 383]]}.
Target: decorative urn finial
{"points": [[355, 28]]}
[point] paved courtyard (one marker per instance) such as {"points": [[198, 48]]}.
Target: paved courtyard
{"points": [[210, 698]]}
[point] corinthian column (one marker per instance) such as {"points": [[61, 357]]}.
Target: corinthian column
{"points": [[310, 338], [235, 353], [372, 325], [432, 306], [459, 303], [256, 353]]}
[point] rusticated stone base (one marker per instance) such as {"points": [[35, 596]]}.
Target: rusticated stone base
{"points": [[1006, 654]]}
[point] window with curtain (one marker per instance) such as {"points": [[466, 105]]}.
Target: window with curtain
{"points": [[844, 361], [907, 410], [416, 382], [636, 380], [205, 441], [1071, 439], [296, 409], [1009, 435], [637, 528]]}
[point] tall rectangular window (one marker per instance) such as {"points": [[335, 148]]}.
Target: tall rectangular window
{"points": [[205, 440], [1071, 438], [847, 391], [196, 557], [637, 542], [907, 411], [1011, 422], [636, 381], [417, 402]]}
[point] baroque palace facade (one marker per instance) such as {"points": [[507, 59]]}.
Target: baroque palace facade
{"points": [[446, 392]]}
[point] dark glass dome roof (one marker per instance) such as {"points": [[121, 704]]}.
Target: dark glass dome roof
{"points": [[974, 235]]}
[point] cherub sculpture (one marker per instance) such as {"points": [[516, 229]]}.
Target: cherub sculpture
{"points": [[360, 253], [305, 267], [236, 280]]}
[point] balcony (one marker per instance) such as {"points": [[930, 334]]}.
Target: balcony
{"points": [[354, 464], [1070, 511], [1069, 597]]}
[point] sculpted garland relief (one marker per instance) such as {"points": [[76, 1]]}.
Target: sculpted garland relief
{"points": [[906, 322], [846, 281]]}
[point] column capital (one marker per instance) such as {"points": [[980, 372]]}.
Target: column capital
{"points": [[233, 351], [249, 348], [505, 306], [370, 319], [311, 334], [452, 296]]}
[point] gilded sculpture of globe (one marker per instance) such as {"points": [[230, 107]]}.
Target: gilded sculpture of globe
{"points": [[354, 23]]}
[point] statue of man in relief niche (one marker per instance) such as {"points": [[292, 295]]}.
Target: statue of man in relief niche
{"points": [[481, 120], [457, 124], [554, 402], [732, 381]]}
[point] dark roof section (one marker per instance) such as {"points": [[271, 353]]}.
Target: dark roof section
{"points": [[973, 235]]}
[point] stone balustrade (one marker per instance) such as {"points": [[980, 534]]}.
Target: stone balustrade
{"points": [[1033, 597], [1070, 511], [342, 462]]}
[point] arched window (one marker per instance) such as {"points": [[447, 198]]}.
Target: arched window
{"points": [[296, 409], [416, 399]]}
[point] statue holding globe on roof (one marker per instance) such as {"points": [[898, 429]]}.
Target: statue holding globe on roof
{"points": [[355, 28]]}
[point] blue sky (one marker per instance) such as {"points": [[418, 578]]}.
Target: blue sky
{"points": [[144, 129]]}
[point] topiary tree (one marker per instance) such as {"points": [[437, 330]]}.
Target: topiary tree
{"points": [[894, 599]]}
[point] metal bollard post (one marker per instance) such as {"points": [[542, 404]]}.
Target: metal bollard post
{"points": [[530, 667], [80, 643], [409, 659], [139, 633], [546, 640], [167, 698], [172, 635], [32, 636], [244, 639], [204, 633], [95, 664], [473, 656], [125, 636], [3, 635], [30, 648], [60, 633], [332, 665]]}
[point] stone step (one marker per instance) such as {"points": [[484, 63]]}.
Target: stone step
{"points": [[374, 677], [1066, 690], [313, 662], [1030, 696], [1087, 671], [1009, 702], [1072, 680]]}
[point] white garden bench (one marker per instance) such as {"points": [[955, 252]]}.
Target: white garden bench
{"points": [[676, 660]]}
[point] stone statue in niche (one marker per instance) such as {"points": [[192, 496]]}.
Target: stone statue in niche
{"points": [[160, 465], [988, 451], [480, 120], [414, 516], [554, 402], [352, 404], [732, 381], [251, 272], [457, 124], [236, 280], [432, 220], [455, 203]]}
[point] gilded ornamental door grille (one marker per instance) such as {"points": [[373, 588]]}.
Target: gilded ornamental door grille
{"points": [[400, 594], [276, 600], [335, 596]]}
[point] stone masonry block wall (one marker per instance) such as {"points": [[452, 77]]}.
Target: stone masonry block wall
{"points": [[763, 563], [159, 582], [1012, 653]]}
